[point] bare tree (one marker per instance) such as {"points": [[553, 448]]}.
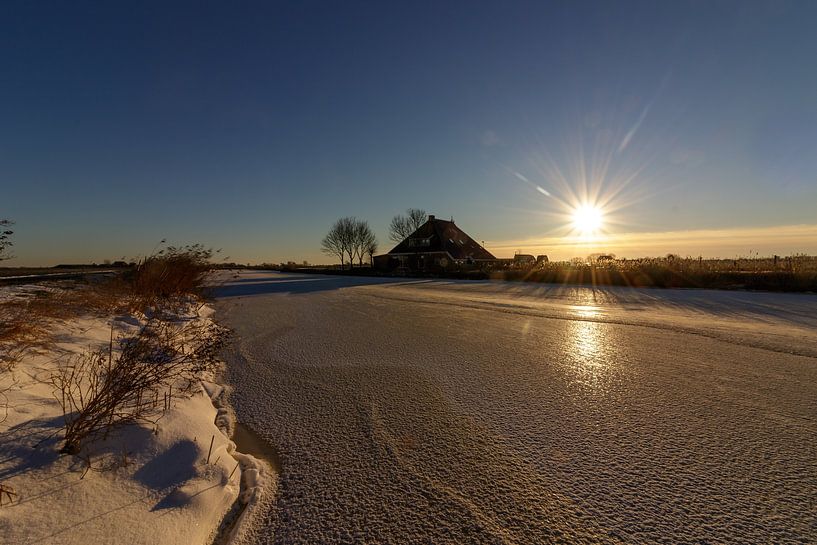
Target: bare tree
{"points": [[402, 226], [348, 228], [5, 238], [334, 243], [370, 247], [417, 217], [349, 238], [364, 240], [399, 229]]}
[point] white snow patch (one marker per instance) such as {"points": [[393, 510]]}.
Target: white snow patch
{"points": [[148, 484]]}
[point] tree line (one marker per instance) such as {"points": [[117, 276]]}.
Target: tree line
{"points": [[351, 239]]}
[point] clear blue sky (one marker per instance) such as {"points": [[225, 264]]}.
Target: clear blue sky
{"points": [[252, 126]]}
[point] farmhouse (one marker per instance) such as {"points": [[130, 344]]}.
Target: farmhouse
{"points": [[437, 245]]}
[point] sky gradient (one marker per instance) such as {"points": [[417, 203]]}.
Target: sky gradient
{"points": [[253, 126]]}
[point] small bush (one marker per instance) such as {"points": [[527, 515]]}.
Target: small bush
{"points": [[173, 272]]}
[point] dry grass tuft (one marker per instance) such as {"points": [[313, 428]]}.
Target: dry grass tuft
{"points": [[26, 322], [136, 380], [22, 328]]}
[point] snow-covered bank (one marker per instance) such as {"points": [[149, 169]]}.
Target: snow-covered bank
{"points": [[156, 483], [258, 475]]}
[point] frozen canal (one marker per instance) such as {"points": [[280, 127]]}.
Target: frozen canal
{"points": [[475, 412]]}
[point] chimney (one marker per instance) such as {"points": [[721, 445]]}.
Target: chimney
{"points": [[431, 217]]}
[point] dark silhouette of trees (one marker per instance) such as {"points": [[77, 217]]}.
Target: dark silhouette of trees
{"points": [[349, 239], [365, 241], [5, 238], [336, 241], [370, 248], [402, 226]]}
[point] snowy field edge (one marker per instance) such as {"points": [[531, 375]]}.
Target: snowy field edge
{"points": [[142, 484]]}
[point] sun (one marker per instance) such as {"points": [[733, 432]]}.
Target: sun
{"points": [[587, 219]]}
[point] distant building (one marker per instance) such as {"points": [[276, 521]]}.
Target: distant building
{"points": [[437, 245], [523, 260]]}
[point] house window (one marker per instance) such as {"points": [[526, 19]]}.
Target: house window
{"points": [[419, 242]]}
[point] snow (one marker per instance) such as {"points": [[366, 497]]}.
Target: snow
{"points": [[479, 412], [145, 485]]}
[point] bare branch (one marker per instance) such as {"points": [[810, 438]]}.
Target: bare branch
{"points": [[403, 226], [107, 388]]}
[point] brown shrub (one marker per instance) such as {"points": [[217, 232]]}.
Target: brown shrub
{"points": [[172, 272], [107, 388]]}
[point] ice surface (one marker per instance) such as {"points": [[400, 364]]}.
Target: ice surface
{"points": [[477, 412]]}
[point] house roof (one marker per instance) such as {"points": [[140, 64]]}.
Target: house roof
{"points": [[437, 235]]}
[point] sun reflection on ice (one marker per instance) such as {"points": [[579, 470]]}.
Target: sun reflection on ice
{"points": [[586, 311], [586, 341], [591, 355]]}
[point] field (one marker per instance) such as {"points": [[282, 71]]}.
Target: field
{"points": [[797, 273], [482, 412]]}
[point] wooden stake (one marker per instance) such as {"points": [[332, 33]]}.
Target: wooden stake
{"points": [[211, 448]]}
